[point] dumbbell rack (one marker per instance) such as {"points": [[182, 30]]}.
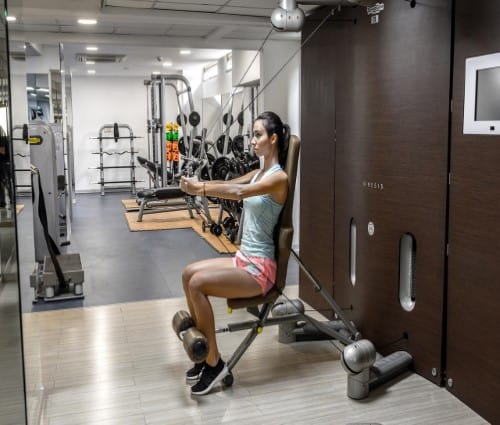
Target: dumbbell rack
{"points": [[131, 150]]}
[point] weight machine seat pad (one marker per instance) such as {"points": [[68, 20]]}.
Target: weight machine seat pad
{"points": [[161, 193], [285, 235], [151, 166]]}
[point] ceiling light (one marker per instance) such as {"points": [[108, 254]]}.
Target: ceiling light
{"points": [[11, 18], [156, 72], [92, 48], [29, 88], [185, 52], [91, 71], [33, 94], [87, 21], [89, 62], [167, 64], [43, 89]]}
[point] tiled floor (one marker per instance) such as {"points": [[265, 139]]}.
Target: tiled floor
{"points": [[123, 364], [113, 359]]}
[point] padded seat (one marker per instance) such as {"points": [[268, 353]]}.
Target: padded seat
{"points": [[161, 193], [151, 166], [284, 238]]}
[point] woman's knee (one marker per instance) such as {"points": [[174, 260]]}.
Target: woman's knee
{"points": [[187, 273], [197, 283]]}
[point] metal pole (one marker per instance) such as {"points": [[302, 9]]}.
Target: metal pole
{"points": [[163, 120]]}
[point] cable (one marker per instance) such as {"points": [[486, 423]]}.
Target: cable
{"points": [[332, 11], [219, 117]]}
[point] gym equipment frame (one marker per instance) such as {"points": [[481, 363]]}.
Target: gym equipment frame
{"points": [[366, 369], [55, 276]]}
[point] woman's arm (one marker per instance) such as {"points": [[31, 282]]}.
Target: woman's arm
{"points": [[275, 185], [241, 179]]}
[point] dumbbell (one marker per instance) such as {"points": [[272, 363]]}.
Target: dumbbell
{"points": [[195, 343]]}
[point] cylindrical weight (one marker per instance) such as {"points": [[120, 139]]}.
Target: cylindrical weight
{"points": [[195, 344], [181, 322]]}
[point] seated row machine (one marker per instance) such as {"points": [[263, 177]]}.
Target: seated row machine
{"points": [[366, 369]]}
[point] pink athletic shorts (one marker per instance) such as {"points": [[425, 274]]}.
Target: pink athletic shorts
{"points": [[262, 269]]}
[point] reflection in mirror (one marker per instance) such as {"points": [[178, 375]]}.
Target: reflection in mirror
{"points": [[66, 119], [211, 116], [55, 95], [12, 390], [37, 89]]}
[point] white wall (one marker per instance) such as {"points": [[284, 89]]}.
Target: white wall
{"points": [[98, 101], [246, 66]]}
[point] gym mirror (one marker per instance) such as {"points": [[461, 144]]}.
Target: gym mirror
{"points": [[12, 391], [37, 90]]}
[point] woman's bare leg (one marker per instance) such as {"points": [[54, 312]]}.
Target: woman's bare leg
{"points": [[203, 265], [217, 282]]}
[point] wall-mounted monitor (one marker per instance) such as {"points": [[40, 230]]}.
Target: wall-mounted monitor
{"points": [[482, 95]]}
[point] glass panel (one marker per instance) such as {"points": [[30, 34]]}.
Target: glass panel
{"points": [[12, 390]]}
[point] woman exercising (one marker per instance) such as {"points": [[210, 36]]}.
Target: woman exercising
{"points": [[252, 272]]}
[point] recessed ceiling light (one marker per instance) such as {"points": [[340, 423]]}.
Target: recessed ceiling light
{"points": [[92, 48], [87, 21], [185, 52], [11, 18], [156, 72], [91, 71], [89, 63], [167, 64]]}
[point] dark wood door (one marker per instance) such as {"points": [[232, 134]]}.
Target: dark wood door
{"points": [[473, 341], [317, 163], [390, 103]]}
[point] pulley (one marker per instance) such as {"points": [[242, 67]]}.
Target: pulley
{"points": [[178, 119], [220, 144], [227, 119], [194, 118]]}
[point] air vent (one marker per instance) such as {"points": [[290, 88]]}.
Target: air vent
{"points": [[18, 56], [99, 58]]}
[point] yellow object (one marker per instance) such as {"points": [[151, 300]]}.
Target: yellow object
{"points": [[175, 126], [35, 140], [169, 126], [259, 330], [229, 310]]}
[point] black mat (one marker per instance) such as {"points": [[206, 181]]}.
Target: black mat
{"points": [[119, 265]]}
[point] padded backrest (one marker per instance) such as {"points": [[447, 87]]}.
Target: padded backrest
{"points": [[285, 232]]}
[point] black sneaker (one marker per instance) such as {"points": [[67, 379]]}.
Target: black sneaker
{"points": [[210, 376], [193, 374]]}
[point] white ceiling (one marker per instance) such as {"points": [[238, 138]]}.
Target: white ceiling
{"points": [[145, 29]]}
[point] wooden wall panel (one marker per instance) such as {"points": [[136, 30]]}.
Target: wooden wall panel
{"points": [[391, 104], [473, 342], [392, 96], [317, 161]]}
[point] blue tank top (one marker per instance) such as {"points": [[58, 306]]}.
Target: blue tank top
{"points": [[261, 214]]}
